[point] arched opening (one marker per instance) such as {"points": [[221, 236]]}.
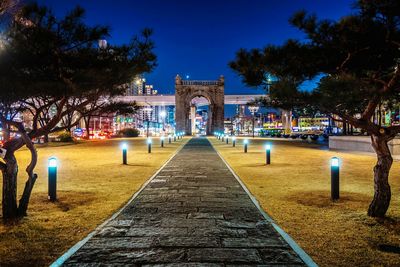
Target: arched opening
{"points": [[200, 115], [186, 91]]}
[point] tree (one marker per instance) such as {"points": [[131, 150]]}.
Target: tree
{"points": [[357, 60], [50, 68]]}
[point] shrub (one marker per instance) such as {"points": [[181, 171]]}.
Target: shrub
{"points": [[65, 137], [129, 132]]}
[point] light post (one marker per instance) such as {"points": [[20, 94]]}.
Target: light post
{"points": [[233, 141], [163, 114], [245, 143], [169, 139], [147, 109], [52, 179], [162, 141], [124, 154], [268, 154], [253, 110], [335, 178], [149, 145]]}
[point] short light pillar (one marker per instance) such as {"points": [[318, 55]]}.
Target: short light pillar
{"points": [[227, 139], [174, 137], [52, 176], [268, 153], [233, 141], [245, 143], [162, 141], [335, 169], [124, 154], [169, 139], [223, 137], [149, 145]]}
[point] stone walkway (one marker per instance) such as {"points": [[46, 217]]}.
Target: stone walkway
{"points": [[193, 213]]}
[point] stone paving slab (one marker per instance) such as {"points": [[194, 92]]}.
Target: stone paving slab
{"points": [[193, 213]]}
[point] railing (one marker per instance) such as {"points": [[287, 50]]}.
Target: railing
{"points": [[193, 82]]}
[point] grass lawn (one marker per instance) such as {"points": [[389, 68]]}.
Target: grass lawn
{"points": [[92, 185], [295, 191]]}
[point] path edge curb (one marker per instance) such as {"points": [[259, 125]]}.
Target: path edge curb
{"points": [[296, 248], [63, 258]]}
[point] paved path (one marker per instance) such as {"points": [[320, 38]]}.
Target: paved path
{"points": [[193, 213]]}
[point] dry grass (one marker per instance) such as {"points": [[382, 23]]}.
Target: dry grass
{"points": [[295, 191], [92, 185]]}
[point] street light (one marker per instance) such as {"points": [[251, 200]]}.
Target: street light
{"points": [[163, 114], [253, 110], [124, 153], [268, 154], [149, 145], [335, 168], [147, 110], [162, 141], [245, 143], [52, 179]]}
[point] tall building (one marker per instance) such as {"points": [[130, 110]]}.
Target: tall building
{"points": [[136, 86]]}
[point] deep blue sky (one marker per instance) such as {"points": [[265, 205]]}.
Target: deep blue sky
{"points": [[200, 37]]}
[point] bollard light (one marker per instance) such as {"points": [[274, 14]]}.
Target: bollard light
{"points": [[227, 139], [268, 154], [149, 145], [124, 147], [162, 141], [233, 141], [223, 137], [335, 168], [174, 137], [245, 143], [169, 139], [52, 177]]}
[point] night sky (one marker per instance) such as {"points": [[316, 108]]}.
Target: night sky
{"points": [[199, 37]]}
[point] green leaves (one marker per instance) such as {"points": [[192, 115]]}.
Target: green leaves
{"points": [[359, 55], [50, 61]]}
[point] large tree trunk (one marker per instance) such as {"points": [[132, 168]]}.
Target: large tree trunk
{"points": [[382, 195], [9, 204], [9, 170]]}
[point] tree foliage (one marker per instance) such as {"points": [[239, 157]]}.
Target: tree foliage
{"points": [[357, 59], [52, 68]]}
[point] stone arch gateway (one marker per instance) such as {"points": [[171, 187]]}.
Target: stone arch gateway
{"points": [[186, 90]]}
